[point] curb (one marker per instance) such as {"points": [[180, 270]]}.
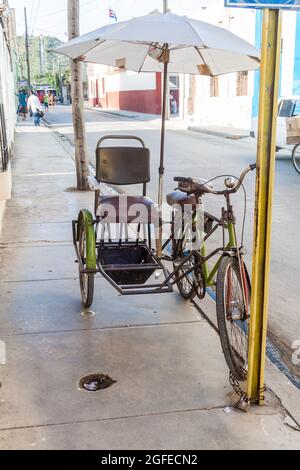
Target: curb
{"points": [[216, 133], [111, 112]]}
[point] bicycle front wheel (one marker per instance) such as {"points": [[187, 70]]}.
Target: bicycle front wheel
{"points": [[296, 157], [233, 306], [86, 281]]}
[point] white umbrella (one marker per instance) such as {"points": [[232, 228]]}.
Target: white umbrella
{"points": [[167, 43], [194, 47]]}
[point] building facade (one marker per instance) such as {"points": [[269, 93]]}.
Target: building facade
{"points": [[123, 89], [7, 99]]}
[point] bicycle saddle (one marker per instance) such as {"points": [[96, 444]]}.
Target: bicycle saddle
{"points": [[197, 186]]}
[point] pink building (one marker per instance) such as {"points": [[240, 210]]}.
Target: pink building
{"points": [[113, 88]]}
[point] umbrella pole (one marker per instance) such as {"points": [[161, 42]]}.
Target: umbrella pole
{"points": [[161, 162]]}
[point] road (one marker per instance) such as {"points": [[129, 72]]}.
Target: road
{"points": [[188, 154]]}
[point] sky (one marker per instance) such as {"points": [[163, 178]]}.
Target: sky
{"points": [[50, 17]]}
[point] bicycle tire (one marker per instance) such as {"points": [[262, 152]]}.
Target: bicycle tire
{"points": [[236, 360], [86, 281], [186, 285], [296, 158]]}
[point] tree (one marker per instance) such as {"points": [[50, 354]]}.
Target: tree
{"points": [[43, 64]]}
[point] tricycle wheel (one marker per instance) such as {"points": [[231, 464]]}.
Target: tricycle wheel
{"points": [[181, 250], [86, 281], [186, 285]]}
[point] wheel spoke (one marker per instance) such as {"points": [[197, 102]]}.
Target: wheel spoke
{"points": [[234, 311]]}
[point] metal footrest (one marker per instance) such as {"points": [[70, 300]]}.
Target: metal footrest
{"points": [[129, 265]]}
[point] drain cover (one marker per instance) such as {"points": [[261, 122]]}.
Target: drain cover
{"points": [[95, 382], [87, 313]]}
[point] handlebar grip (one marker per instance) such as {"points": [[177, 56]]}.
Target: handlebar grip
{"points": [[252, 166], [182, 179]]}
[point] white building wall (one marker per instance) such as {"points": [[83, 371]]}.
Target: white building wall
{"points": [[121, 80], [7, 98], [227, 109], [127, 80], [7, 87]]}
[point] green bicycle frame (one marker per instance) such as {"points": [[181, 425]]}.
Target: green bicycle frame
{"points": [[209, 276]]}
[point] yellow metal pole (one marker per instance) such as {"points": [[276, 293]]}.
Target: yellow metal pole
{"points": [[266, 147]]}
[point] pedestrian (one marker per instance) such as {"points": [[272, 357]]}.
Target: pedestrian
{"points": [[40, 96], [46, 102], [53, 98], [35, 107], [22, 106]]}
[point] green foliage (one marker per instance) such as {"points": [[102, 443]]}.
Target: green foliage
{"points": [[42, 71], [66, 78]]}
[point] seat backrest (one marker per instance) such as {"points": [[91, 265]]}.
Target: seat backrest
{"points": [[123, 165]]}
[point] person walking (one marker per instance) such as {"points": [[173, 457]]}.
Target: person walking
{"points": [[46, 102], [35, 107], [22, 107]]}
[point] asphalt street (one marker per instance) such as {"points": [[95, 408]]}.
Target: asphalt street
{"points": [[206, 156]]}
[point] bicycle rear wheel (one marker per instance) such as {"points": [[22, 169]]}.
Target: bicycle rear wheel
{"points": [[296, 157], [233, 306], [186, 285], [181, 250]]}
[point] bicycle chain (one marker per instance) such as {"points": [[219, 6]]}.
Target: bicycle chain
{"points": [[244, 401]]}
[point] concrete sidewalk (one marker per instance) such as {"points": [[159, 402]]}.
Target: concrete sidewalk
{"points": [[171, 386]]}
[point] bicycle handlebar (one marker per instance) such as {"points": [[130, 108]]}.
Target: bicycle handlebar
{"points": [[189, 180]]}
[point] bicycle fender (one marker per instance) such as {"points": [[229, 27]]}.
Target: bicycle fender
{"points": [[86, 218], [234, 255]]}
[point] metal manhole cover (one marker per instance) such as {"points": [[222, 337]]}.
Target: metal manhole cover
{"points": [[95, 382], [87, 313]]}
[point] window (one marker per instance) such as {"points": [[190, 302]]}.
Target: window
{"points": [[286, 108], [214, 87], [4, 154], [242, 84], [297, 109], [174, 79]]}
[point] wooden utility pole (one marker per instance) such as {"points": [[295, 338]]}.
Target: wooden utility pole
{"points": [[27, 50], [42, 56], [165, 10], [81, 155], [60, 80]]}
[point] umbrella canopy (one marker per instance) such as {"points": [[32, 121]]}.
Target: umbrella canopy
{"points": [[194, 47]]}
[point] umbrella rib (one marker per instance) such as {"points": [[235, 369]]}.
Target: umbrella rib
{"points": [[177, 48], [144, 60], [198, 50]]}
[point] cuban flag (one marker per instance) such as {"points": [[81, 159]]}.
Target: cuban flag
{"points": [[112, 14]]}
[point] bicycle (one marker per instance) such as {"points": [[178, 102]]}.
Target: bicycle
{"points": [[229, 275], [127, 260]]}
